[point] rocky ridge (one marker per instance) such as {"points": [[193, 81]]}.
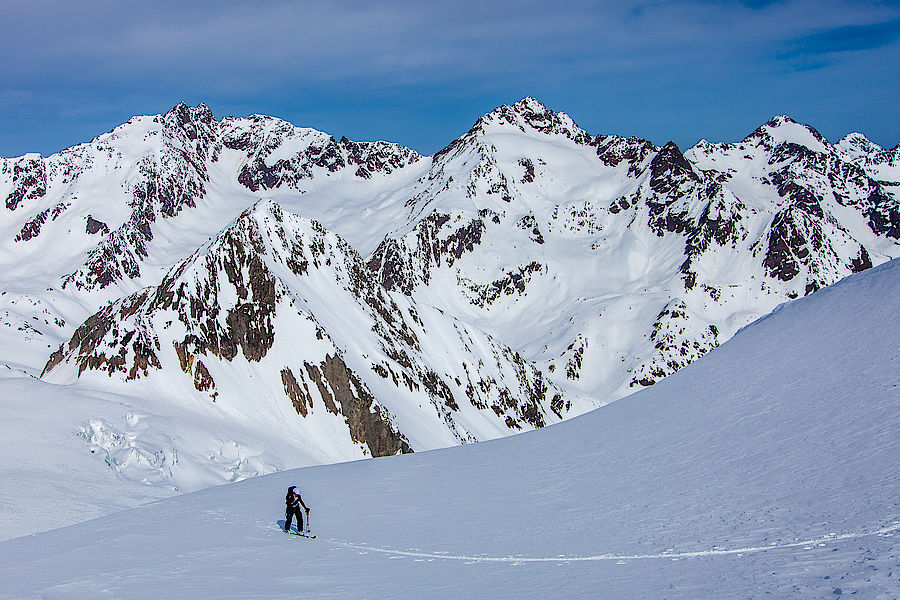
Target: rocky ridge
{"points": [[270, 273]]}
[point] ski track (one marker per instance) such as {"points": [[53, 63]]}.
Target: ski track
{"points": [[809, 544]]}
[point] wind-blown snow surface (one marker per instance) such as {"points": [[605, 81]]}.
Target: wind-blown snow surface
{"points": [[102, 451], [769, 467]]}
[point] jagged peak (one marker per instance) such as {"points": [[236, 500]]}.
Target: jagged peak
{"points": [[670, 153], [668, 162], [275, 139], [857, 144], [189, 118], [530, 103], [264, 206], [526, 106], [530, 113], [265, 222], [527, 115], [856, 138], [261, 236], [779, 120], [184, 113], [670, 147], [782, 129], [251, 218]]}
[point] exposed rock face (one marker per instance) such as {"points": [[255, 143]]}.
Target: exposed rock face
{"points": [[400, 264], [669, 170], [28, 178], [675, 344], [299, 396], [269, 167], [32, 228], [94, 226], [135, 350], [340, 387], [883, 214]]}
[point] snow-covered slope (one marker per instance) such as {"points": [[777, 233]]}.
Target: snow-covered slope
{"points": [[767, 468]]}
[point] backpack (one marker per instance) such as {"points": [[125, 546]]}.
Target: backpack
{"points": [[290, 495]]}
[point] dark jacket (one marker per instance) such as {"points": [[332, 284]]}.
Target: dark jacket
{"points": [[293, 501]]}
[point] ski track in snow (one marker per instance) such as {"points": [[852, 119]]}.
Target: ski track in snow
{"points": [[810, 544]]}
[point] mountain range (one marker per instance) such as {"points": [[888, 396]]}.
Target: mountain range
{"points": [[332, 300]]}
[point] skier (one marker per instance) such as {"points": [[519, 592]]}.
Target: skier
{"points": [[293, 501]]}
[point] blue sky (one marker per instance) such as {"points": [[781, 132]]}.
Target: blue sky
{"points": [[421, 73]]}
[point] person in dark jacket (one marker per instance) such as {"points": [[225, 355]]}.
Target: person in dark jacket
{"points": [[293, 502]]}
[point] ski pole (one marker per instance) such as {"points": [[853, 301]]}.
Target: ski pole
{"points": [[307, 520]]}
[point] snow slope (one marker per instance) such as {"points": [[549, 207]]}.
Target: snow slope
{"points": [[771, 466], [105, 451]]}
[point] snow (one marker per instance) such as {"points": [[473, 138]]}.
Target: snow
{"points": [[783, 129], [604, 276], [769, 467], [857, 146], [881, 164]]}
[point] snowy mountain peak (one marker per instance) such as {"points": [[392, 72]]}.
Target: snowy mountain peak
{"points": [[857, 148], [197, 122], [293, 307], [858, 142], [530, 115], [183, 113], [530, 103], [782, 129]]}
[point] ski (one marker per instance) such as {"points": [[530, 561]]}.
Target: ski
{"points": [[305, 534]]}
